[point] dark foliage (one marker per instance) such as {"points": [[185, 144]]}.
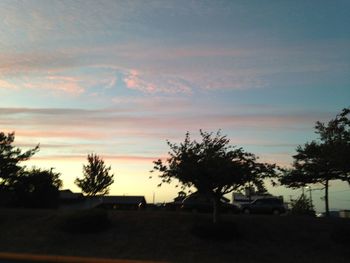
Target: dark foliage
{"points": [[97, 177], [213, 167], [324, 160], [84, 221], [11, 157], [180, 196], [335, 135], [302, 206], [33, 188], [36, 188]]}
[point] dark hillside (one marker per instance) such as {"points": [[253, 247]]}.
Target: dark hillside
{"points": [[168, 236]]}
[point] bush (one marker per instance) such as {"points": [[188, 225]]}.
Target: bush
{"points": [[85, 221], [302, 206]]}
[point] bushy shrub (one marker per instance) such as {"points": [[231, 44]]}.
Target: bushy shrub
{"points": [[302, 206], [84, 221]]}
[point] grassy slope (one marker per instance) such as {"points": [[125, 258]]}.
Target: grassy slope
{"points": [[166, 236]]}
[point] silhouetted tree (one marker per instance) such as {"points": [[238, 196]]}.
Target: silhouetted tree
{"points": [[97, 177], [11, 157], [336, 136], [302, 206], [255, 173], [36, 188], [212, 166], [324, 160]]}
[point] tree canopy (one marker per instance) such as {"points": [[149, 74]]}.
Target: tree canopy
{"points": [[11, 157], [325, 159], [212, 166], [97, 177], [36, 188], [335, 137]]}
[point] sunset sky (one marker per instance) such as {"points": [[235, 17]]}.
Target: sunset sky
{"points": [[119, 78]]}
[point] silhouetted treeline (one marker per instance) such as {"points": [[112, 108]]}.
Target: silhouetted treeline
{"points": [[22, 187]]}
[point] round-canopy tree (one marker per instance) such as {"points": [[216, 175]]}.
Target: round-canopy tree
{"points": [[36, 188], [213, 167]]}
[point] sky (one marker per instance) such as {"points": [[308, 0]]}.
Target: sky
{"points": [[119, 78]]}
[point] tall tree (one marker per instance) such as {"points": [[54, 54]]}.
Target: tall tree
{"points": [[11, 157], [311, 165], [336, 135], [212, 166], [97, 177], [323, 160]]}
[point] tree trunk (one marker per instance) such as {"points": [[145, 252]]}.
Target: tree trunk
{"points": [[250, 192], [215, 210], [326, 198]]}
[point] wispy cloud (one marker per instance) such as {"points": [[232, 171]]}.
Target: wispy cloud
{"points": [[67, 87], [79, 123], [71, 134], [154, 103], [82, 158], [148, 46], [283, 159], [162, 70], [7, 85], [151, 84], [18, 63]]}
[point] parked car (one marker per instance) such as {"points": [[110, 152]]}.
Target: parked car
{"points": [[203, 204], [264, 206]]}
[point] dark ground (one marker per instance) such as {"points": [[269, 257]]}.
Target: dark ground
{"points": [[168, 236]]}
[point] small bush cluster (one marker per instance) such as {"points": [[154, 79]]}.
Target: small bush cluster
{"points": [[84, 221], [302, 206]]}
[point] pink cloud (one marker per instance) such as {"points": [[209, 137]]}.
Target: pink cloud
{"points": [[132, 81], [72, 88], [63, 78], [12, 64], [233, 83], [122, 133], [82, 158], [58, 134], [7, 85], [154, 103], [155, 84], [162, 69], [130, 122], [282, 159]]}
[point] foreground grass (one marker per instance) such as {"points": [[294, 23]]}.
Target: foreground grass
{"points": [[168, 236]]}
